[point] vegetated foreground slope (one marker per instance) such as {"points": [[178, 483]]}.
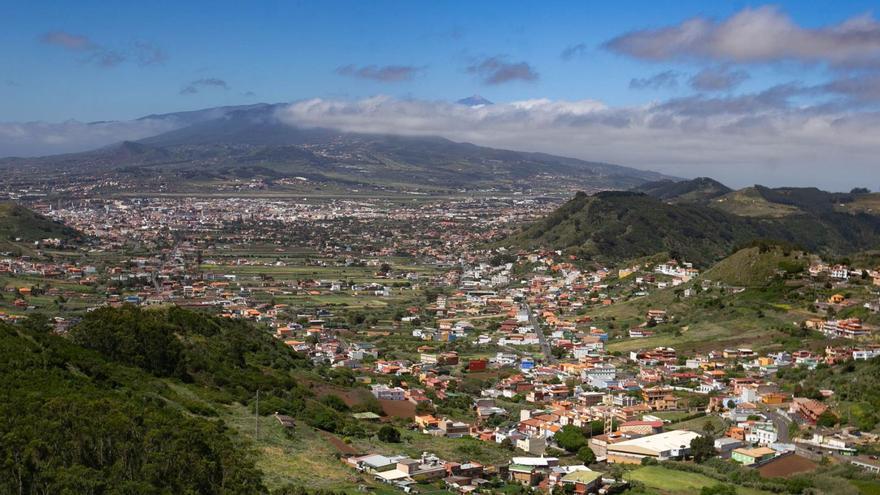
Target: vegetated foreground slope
{"points": [[130, 403], [614, 226], [72, 422]]}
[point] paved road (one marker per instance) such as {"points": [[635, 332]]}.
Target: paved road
{"points": [[545, 346], [781, 423]]}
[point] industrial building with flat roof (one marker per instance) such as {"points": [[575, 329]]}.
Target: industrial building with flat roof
{"points": [[674, 444]]}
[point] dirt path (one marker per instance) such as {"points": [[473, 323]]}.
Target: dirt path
{"points": [[341, 446]]}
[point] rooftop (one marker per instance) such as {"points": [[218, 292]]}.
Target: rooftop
{"points": [[661, 442]]}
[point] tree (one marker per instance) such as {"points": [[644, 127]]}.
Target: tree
{"points": [[586, 455], [570, 438], [334, 402], [827, 419], [709, 428], [703, 448], [389, 434]]}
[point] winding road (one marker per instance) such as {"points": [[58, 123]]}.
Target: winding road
{"points": [[542, 339]]}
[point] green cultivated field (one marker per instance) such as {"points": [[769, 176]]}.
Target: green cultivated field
{"points": [[662, 481]]}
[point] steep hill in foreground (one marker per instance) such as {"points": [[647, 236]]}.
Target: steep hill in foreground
{"points": [[614, 226], [73, 422], [163, 401]]}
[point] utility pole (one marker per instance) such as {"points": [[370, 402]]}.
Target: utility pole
{"points": [[257, 417]]}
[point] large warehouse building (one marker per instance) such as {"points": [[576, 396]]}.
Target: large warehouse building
{"points": [[674, 444]]}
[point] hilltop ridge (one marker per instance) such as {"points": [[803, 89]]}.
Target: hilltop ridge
{"points": [[622, 225]]}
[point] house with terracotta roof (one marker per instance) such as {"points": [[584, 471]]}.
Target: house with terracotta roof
{"points": [[808, 408]]}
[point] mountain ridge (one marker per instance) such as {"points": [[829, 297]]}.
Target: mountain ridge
{"points": [[251, 142], [623, 225]]}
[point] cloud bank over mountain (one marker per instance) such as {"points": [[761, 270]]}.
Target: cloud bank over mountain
{"points": [[741, 139], [45, 138]]}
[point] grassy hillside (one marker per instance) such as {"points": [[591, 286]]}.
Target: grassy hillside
{"points": [[154, 401], [19, 224], [616, 226], [699, 190], [625, 225], [863, 203], [749, 202], [761, 314], [756, 266]]}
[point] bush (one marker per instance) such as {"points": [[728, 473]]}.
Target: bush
{"points": [[570, 438], [334, 402], [718, 490], [703, 448], [389, 434], [586, 455]]}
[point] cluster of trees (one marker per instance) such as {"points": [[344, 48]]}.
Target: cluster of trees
{"points": [[573, 439], [854, 385], [93, 413], [73, 422], [229, 357]]}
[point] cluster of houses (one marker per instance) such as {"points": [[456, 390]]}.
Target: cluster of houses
{"points": [[545, 472]]}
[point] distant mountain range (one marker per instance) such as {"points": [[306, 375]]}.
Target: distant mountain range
{"points": [[703, 220], [474, 101], [251, 142]]}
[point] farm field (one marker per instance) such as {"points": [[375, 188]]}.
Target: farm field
{"points": [[662, 481], [787, 466]]}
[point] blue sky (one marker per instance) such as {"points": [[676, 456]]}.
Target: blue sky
{"points": [[283, 51], [755, 83]]}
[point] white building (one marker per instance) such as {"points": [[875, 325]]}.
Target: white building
{"points": [[674, 444], [762, 434], [384, 392]]}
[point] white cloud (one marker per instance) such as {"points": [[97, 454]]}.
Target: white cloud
{"points": [[739, 139], [742, 139], [763, 34], [44, 138]]}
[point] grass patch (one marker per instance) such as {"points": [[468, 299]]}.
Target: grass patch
{"points": [[661, 480], [867, 487]]}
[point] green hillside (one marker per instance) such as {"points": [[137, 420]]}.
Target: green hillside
{"points": [[19, 224], [72, 422], [701, 189], [749, 202], [617, 226], [153, 401], [756, 266]]}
